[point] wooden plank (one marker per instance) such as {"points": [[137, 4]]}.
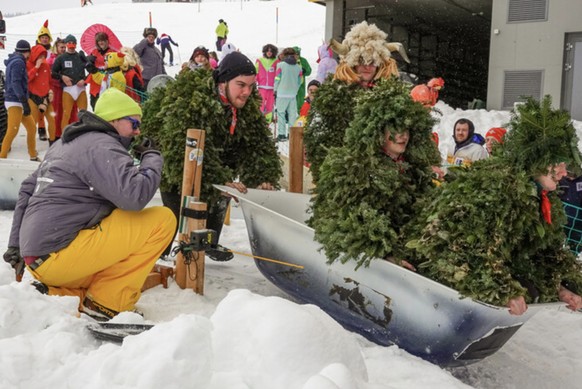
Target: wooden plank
{"points": [[191, 274], [296, 160]]}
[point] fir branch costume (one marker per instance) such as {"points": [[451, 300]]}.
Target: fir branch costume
{"points": [[363, 197], [192, 101], [332, 110], [484, 234], [330, 114]]}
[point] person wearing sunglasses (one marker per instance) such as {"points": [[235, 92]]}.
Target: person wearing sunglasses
{"points": [[80, 224]]}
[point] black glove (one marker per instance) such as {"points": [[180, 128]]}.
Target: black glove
{"points": [[91, 59], [13, 257], [25, 108], [147, 145], [91, 68]]}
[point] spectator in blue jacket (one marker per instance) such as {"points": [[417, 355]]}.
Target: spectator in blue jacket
{"points": [[288, 78], [164, 41], [16, 101], [104, 243]]}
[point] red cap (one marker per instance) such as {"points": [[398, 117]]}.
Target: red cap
{"points": [[497, 133]]}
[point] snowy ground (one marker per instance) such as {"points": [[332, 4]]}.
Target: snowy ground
{"points": [[244, 332]]}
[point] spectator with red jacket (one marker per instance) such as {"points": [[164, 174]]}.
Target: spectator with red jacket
{"points": [[97, 63], [132, 71], [39, 78], [44, 39]]}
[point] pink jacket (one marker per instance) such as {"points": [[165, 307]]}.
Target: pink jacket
{"points": [[266, 68]]}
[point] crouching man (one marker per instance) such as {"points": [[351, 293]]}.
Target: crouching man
{"points": [[80, 225]]}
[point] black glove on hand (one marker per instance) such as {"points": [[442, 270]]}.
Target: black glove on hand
{"points": [[13, 257], [91, 68], [25, 108], [145, 146], [91, 59]]}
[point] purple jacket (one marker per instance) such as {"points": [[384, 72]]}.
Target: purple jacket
{"points": [[83, 178], [327, 64]]}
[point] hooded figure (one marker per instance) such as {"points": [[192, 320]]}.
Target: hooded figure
{"points": [[495, 233], [467, 148], [326, 63], [306, 72]]}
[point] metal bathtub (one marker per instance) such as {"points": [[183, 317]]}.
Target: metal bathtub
{"points": [[384, 302]]}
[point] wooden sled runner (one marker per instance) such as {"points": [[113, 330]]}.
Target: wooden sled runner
{"points": [[385, 303]]}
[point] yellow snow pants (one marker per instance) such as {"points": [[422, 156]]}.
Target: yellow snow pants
{"points": [[109, 263], [15, 117]]}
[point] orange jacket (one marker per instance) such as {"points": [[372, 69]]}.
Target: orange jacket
{"points": [[38, 79]]}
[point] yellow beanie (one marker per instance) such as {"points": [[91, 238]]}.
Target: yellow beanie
{"points": [[114, 104], [44, 31]]}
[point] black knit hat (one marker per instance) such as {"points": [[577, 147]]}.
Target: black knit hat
{"points": [[233, 65], [22, 46]]}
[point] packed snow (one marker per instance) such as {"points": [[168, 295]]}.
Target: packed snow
{"points": [[243, 332]]}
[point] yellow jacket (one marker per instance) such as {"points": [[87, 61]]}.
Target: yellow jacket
{"points": [[221, 30]]}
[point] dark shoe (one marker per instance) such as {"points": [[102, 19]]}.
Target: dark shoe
{"points": [[97, 311], [219, 253], [42, 134], [42, 288], [281, 138], [35, 159]]}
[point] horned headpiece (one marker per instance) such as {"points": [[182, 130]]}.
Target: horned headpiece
{"points": [[366, 44]]}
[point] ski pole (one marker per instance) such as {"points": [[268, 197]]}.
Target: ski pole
{"points": [[267, 259]]}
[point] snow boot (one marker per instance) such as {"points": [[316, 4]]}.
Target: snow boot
{"points": [[42, 288], [97, 311], [42, 134]]}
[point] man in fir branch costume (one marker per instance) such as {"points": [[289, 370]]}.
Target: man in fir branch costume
{"points": [[365, 58], [238, 143], [495, 233], [368, 187]]}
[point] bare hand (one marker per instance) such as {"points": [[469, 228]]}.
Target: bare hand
{"points": [[517, 306], [67, 80], [81, 83], [266, 186], [39, 62], [572, 300], [407, 265], [440, 174]]}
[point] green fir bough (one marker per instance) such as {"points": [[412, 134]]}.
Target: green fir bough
{"points": [[192, 101]]}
